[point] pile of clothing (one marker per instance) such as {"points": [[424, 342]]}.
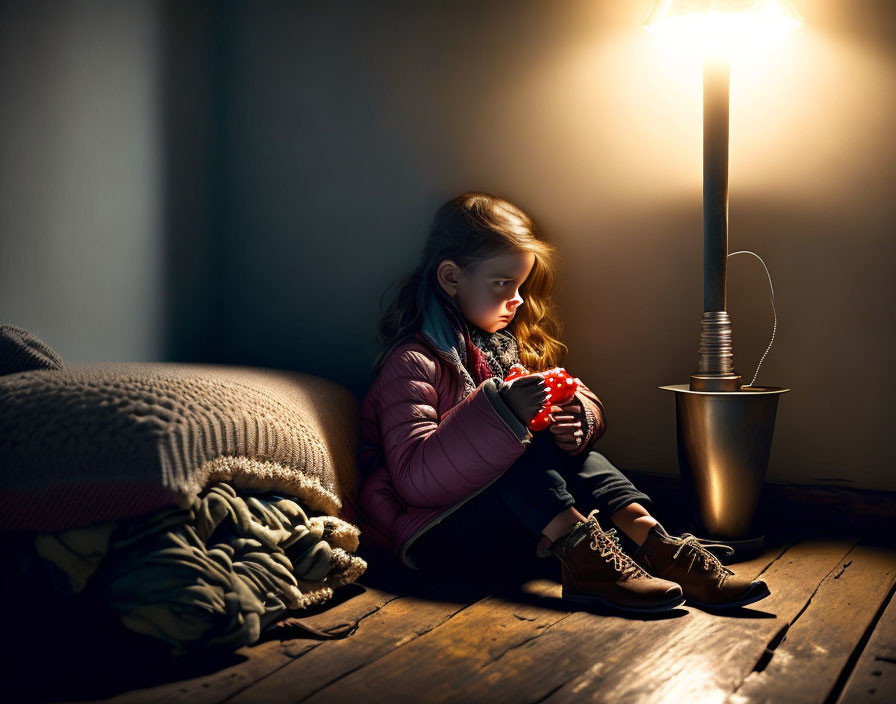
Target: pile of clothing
{"points": [[197, 507]]}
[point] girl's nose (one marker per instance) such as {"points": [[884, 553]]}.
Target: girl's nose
{"points": [[516, 301]]}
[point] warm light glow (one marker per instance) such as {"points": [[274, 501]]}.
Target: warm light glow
{"points": [[731, 26], [611, 119]]}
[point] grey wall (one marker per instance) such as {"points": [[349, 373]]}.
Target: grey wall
{"points": [[80, 182], [304, 148]]}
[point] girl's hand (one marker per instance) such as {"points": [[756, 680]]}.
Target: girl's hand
{"points": [[569, 424], [524, 396]]}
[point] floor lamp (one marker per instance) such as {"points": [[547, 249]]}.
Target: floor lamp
{"points": [[724, 428]]}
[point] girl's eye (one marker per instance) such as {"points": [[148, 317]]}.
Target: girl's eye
{"points": [[502, 283]]}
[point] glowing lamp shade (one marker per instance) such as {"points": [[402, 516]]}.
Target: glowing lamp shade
{"points": [[722, 24]]}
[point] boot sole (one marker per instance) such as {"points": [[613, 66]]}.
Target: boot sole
{"points": [[752, 595], [591, 600]]}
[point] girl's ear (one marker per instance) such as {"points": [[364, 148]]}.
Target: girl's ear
{"points": [[447, 275]]}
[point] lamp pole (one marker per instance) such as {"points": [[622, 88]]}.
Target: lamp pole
{"points": [[715, 365]]}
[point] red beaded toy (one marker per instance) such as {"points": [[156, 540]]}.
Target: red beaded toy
{"points": [[559, 387]]}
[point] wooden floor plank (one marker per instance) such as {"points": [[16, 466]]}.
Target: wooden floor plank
{"points": [[394, 625], [874, 676], [259, 660], [397, 623], [806, 664], [534, 671], [429, 667], [418, 639], [440, 666], [700, 656]]}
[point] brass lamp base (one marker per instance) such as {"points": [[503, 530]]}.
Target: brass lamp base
{"points": [[724, 443]]}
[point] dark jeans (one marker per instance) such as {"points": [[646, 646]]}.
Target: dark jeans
{"points": [[506, 519]]}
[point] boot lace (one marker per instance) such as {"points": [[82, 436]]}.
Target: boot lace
{"points": [[607, 545], [697, 549]]}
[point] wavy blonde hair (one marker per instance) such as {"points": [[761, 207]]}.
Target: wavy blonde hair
{"points": [[469, 229]]}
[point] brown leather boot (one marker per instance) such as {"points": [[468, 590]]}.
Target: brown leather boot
{"points": [[705, 581], [595, 570]]}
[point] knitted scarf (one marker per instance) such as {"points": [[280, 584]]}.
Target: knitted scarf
{"points": [[477, 354]]}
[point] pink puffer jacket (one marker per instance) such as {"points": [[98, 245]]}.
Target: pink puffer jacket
{"points": [[425, 452]]}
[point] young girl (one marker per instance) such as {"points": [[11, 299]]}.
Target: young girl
{"points": [[451, 475]]}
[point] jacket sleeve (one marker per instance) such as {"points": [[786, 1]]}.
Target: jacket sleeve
{"points": [[436, 461], [595, 415]]}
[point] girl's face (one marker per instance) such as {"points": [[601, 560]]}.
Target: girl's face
{"points": [[488, 296]]}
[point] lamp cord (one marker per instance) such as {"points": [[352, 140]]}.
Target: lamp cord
{"points": [[774, 312]]}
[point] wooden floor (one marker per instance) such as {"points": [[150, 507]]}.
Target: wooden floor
{"points": [[827, 633]]}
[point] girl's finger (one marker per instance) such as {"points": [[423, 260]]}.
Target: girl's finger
{"points": [[568, 445], [565, 428], [568, 439], [572, 400]]}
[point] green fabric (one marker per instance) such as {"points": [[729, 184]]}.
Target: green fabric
{"points": [[77, 552], [213, 575]]}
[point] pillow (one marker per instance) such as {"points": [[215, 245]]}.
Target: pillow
{"points": [[21, 350], [93, 442]]}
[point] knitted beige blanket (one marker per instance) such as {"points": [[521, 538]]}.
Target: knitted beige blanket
{"points": [[101, 441]]}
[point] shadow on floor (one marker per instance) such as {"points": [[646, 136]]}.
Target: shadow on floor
{"points": [[75, 655]]}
